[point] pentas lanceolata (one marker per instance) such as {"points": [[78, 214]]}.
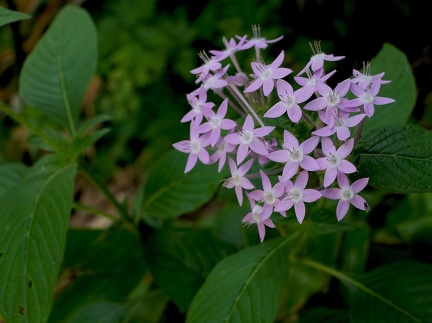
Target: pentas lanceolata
{"points": [[327, 113]]}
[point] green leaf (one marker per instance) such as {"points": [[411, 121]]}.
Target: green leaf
{"points": [[99, 266], [56, 74], [10, 175], [398, 292], [88, 124], [245, 287], [180, 260], [8, 16], [33, 225], [402, 88], [169, 192], [398, 159]]}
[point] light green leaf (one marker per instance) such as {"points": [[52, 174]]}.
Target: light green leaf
{"points": [[398, 292], [8, 16], [244, 287], [56, 74], [33, 225], [402, 88], [398, 159], [169, 192]]}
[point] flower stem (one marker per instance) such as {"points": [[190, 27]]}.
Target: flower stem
{"points": [[89, 175], [246, 103], [359, 131], [92, 210]]}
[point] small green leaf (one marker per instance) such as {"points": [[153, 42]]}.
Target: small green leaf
{"points": [[33, 225], [402, 88], [8, 16], [397, 159], [169, 192], [88, 124], [398, 292], [244, 287], [56, 74]]}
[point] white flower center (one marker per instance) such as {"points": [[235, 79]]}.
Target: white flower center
{"points": [[340, 123], [236, 179], [347, 194], [367, 97], [295, 194], [246, 137], [333, 160], [195, 146], [289, 101], [311, 82], [215, 122], [269, 197], [332, 98], [256, 213], [267, 74], [296, 155]]}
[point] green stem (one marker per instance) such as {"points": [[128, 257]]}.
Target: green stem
{"points": [[103, 189], [92, 210], [20, 119], [342, 277]]}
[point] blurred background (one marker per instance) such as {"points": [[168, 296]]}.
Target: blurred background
{"points": [[148, 47]]}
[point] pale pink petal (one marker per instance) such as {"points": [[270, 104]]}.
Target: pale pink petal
{"points": [[310, 195], [249, 123], [263, 131], [259, 147], [239, 193], [279, 189], [369, 109], [276, 110], [300, 211], [242, 153], [344, 150], [265, 181], [278, 61], [309, 163], [281, 72], [359, 202], [359, 185], [191, 162], [342, 209], [295, 113], [327, 146], [316, 104], [346, 167], [343, 133], [203, 155], [302, 180], [268, 86], [289, 171], [332, 193], [267, 211], [261, 231], [255, 85], [289, 140], [381, 100], [343, 180], [256, 195], [330, 176], [233, 139], [325, 132], [243, 169], [246, 184], [280, 156], [284, 205]]}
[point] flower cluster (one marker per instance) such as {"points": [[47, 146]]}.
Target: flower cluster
{"points": [[251, 139]]}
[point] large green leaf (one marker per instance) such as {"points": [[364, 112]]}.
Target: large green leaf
{"points": [[10, 175], [398, 292], [398, 159], [168, 192], [245, 287], [33, 225], [8, 16], [402, 88], [100, 266], [56, 74], [180, 260]]}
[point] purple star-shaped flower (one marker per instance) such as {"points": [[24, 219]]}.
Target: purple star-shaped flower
{"points": [[255, 217], [238, 179], [347, 194], [249, 138], [334, 162], [295, 155], [266, 74]]}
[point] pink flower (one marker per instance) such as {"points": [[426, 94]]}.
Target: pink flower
{"points": [[216, 122], [210, 64], [195, 147], [255, 217], [200, 106], [215, 81], [221, 153], [295, 155], [367, 97], [230, 48], [257, 41], [317, 60], [269, 195], [249, 138], [343, 122], [315, 80], [289, 101], [237, 179], [365, 79], [347, 194], [334, 162], [266, 74], [332, 100], [296, 195]]}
